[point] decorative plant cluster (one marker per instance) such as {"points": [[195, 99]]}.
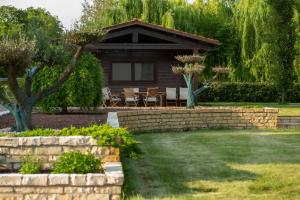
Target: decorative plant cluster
{"points": [[105, 135], [193, 65], [31, 165], [76, 162]]}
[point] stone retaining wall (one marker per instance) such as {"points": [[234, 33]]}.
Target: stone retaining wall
{"points": [[105, 186], [185, 119], [49, 148]]}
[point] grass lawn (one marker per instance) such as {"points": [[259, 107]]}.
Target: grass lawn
{"points": [[291, 109], [216, 164]]}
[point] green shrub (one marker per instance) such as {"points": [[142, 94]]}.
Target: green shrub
{"points": [[38, 132], [247, 92], [76, 162], [82, 89], [31, 165]]}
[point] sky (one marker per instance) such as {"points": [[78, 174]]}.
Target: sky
{"points": [[67, 11]]}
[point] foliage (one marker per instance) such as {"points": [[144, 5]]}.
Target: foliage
{"points": [[285, 35], [82, 89], [76, 163], [16, 53], [38, 132], [31, 165], [247, 92]]}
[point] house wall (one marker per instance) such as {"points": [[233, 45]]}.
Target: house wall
{"points": [[163, 60]]}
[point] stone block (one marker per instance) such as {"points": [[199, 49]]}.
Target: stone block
{"points": [[58, 179], [115, 179], [35, 197], [96, 179], [30, 141], [74, 190], [50, 141], [79, 197], [35, 180], [98, 197], [57, 150], [78, 180], [6, 189], [11, 196], [10, 179], [21, 151], [60, 197], [115, 197], [9, 142]]}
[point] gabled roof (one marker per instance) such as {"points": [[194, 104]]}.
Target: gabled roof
{"points": [[136, 22]]}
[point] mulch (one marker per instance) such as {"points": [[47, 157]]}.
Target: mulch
{"points": [[58, 121]]}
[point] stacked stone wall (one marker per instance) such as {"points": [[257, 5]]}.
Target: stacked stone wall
{"points": [[186, 119]]}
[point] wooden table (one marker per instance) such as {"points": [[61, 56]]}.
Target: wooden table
{"points": [[160, 94]]}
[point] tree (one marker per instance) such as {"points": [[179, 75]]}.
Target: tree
{"points": [[285, 39], [193, 65], [17, 56]]}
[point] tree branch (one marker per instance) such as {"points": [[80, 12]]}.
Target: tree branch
{"points": [[14, 85], [5, 102], [64, 76], [30, 73]]}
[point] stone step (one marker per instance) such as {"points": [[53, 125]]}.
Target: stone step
{"points": [[288, 125]]}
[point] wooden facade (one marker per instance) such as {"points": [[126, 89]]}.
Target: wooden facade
{"points": [[136, 45]]}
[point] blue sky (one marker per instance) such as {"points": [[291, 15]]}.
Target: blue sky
{"points": [[68, 11]]}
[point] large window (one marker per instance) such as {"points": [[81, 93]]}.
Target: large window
{"points": [[137, 71], [143, 71], [121, 72]]}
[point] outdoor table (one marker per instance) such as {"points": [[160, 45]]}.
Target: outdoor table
{"points": [[160, 94]]}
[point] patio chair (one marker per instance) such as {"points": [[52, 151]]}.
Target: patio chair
{"points": [[152, 97], [183, 95], [130, 96], [108, 97], [171, 96]]}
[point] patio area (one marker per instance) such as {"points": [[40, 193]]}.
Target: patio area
{"points": [[145, 97]]}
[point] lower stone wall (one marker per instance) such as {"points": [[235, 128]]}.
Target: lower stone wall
{"points": [[105, 186], [187, 119], [13, 149]]}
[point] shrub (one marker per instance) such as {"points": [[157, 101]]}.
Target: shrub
{"points": [[31, 165], [76, 162], [38, 132], [82, 89], [247, 92]]}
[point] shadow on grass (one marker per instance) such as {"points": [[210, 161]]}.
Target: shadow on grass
{"points": [[173, 162]]}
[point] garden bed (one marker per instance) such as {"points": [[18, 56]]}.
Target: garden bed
{"points": [[105, 185]]}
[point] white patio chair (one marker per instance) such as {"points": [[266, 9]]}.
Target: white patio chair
{"points": [[171, 96], [108, 97], [183, 95]]}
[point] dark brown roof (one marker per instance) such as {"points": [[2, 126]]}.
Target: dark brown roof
{"points": [[164, 29]]}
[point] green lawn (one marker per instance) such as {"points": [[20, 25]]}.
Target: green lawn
{"points": [[216, 164], [291, 109]]}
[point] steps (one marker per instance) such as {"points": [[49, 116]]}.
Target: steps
{"points": [[288, 122]]}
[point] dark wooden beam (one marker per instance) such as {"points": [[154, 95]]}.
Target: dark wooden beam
{"points": [[99, 46], [174, 39], [135, 37]]}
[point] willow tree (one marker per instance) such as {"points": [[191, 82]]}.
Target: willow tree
{"points": [[285, 39], [193, 65], [16, 58]]}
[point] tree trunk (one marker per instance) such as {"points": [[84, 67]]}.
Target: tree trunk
{"points": [[190, 104], [23, 117], [283, 96]]}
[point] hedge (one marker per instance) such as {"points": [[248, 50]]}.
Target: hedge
{"points": [[247, 92]]}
